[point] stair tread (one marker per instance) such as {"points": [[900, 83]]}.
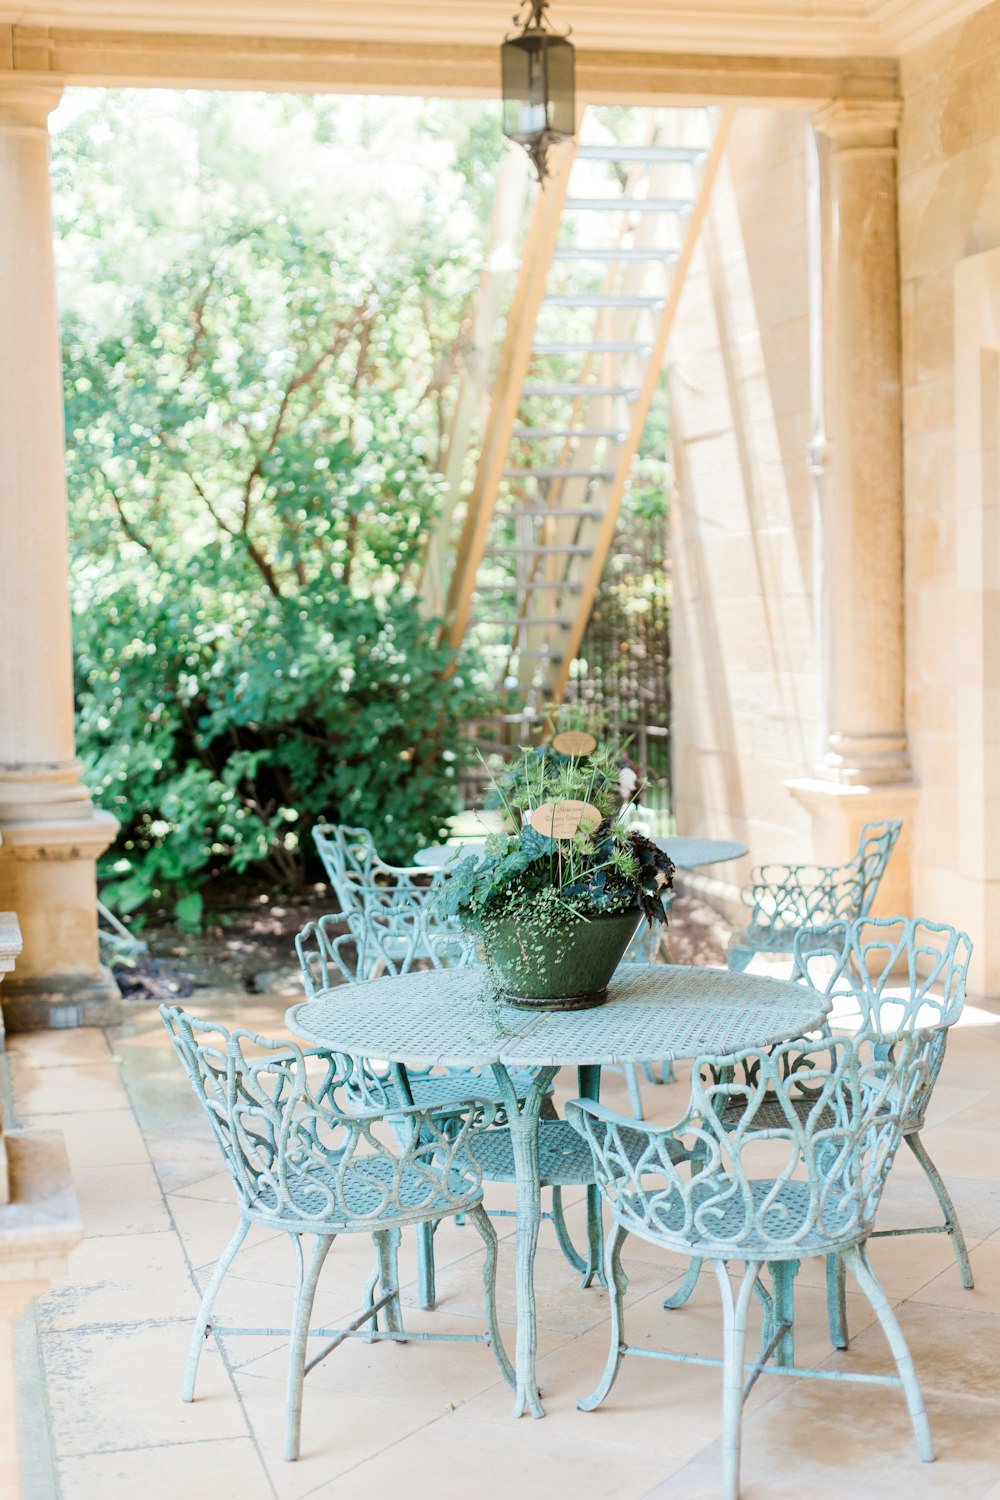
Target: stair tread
{"points": [[528, 434], [630, 205], [609, 252], [615, 152], [537, 388], [599, 299], [592, 346], [557, 473]]}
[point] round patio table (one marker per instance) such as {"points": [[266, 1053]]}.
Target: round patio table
{"points": [[439, 856], [686, 853], [690, 853], [653, 1011]]}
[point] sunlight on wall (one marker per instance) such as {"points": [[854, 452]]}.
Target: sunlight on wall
{"points": [[744, 654]]}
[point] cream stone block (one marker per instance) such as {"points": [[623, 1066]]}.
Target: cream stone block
{"points": [[935, 323], [931, 549], [947, 207], [929, 471]]}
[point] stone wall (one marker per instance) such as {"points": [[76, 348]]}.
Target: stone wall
{"points": [[745, 680], [949, 167]]}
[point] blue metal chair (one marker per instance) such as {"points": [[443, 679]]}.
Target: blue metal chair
{"points": [[303, 1161], [707, 1187], [786, 900], [394, 942], [363, 882], [902, 973]]}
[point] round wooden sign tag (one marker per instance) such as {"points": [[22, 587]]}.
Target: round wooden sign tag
{"points": [[574, 742], [561, 820]]}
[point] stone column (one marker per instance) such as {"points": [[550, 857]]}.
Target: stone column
{"points": [[864, 770], [50, 832]]}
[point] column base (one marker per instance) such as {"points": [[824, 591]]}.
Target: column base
{"points": [[60, 1001], [48, 878], [840, 810]]}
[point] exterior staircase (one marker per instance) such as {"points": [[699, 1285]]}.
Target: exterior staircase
{"points": [[603, 261]]}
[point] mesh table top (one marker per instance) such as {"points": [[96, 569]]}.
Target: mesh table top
{"points": [[690, 853], [654, 1012]]}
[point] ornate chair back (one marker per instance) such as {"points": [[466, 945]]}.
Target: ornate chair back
{"points": [[360, 879], [296, 1148], [901, 972], [787, 898], [746, 1174], [377, 943]]}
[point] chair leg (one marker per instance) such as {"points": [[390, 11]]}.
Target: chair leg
{"points": [[857, 1262], [201, 1327], [562, 1233], [617, 1284], [426, 1287], [481, 1219], [936, 1181], [305, 1294], [836, 1301], [387, 1247], [783, 1273], [687, 1286], [734, 1333], [634, 1096]]}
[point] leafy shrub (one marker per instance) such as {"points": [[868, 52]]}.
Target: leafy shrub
{"points": [[218, 741]]}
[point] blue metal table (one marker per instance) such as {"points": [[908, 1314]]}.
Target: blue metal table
{"points": [[691, 853], [451, 1019], [686, 853]]}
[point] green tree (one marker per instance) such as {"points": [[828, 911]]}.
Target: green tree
{"points": [[265, 305]]}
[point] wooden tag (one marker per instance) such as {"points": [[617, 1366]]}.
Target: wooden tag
{"points": [[574, 742], [561, 820]]}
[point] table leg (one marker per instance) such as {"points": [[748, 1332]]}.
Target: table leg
{"points": [[589, 1084], [523, 1123], [426, 1275]]}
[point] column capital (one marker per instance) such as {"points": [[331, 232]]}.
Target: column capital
{"points": [[859, 124], [26, 100]]}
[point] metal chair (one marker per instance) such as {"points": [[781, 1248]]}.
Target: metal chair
{"points": [[786, 900], [393, 942], [889, 968], [302, 1161], [363, 882], [902, 973], [707, 1187]]}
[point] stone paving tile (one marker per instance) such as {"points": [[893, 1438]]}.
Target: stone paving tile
{"points": [[227, 1469], [121, 1199], [121, 1280], [40, 1090], [457, 1456], [119, 1387], [339, 1431], [98, 1137], [850, 1443]]}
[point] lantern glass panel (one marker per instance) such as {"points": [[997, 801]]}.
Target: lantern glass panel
{"points": [[524, 87], [561, 108]]}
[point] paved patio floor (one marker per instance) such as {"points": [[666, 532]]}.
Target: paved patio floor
{"points": [[432, 1422]]}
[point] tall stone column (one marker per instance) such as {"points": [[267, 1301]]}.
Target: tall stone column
{"points": [[864, 770], [50, 832]]}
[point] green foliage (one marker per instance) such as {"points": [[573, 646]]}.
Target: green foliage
{"points": [[554, 881], [550, 881], [265, 308], [540, 774]]}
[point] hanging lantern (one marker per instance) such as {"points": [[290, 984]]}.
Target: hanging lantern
{"points": [[539, 108]]}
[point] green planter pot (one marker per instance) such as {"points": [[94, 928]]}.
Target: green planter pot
{"points": [[569, 969]]}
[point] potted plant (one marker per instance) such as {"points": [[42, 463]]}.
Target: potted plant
{"points": [[558, 902]]}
